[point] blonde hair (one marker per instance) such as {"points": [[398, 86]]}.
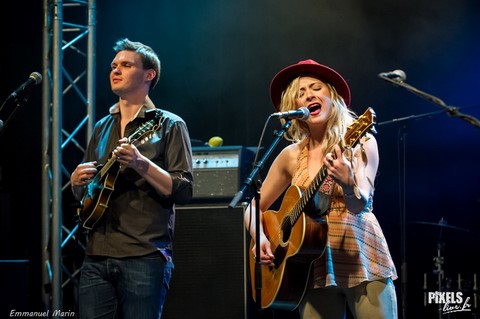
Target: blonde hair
{"points": [[339, 119]]}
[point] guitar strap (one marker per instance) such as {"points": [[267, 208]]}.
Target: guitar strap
{"points": [[322, 198], [327, 186]]}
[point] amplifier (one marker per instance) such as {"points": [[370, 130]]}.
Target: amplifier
{"points": [[218, 172]]}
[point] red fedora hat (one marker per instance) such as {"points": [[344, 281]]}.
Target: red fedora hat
{"points": [[283, 78]]}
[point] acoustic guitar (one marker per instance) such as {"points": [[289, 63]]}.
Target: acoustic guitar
{"points": [[97, 193], [297, 239]]}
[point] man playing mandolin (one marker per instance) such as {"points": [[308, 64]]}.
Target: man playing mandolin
{"points": [[137, 166], [329, 172]]}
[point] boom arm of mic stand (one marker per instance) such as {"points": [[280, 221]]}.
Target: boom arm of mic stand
{"points": [[452, 111], [258, 166]]}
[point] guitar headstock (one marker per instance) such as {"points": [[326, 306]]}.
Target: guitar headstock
{"points": [[360, 127]]}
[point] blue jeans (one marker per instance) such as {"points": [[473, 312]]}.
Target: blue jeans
{"points": [[124, 288]]}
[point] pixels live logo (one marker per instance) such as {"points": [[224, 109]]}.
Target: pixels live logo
{"points": [[452, 301]]}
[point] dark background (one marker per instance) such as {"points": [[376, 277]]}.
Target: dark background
{"points": [[218, 58]]}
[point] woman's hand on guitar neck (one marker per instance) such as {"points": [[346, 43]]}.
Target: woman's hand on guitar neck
{"points": [[338, 167]]}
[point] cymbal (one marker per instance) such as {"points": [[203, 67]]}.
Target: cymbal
{"points": [[441, 223]]}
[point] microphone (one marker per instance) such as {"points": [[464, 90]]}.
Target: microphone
{"points": [[34, 79], [302, 114], [394, 75]]}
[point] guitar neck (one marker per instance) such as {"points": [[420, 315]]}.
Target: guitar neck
{"points": [[315, 185], [308, 194]]}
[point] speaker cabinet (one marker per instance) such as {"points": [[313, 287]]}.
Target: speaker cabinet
{"points": [[209, 252]]}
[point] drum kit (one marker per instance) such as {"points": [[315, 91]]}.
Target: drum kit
{"points": [[443, 284]]}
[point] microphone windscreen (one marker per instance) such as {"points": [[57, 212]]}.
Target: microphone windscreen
{"points": [[36, 76]]}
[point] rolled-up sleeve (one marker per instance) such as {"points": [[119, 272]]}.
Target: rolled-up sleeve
{"points": [[178, 161]]}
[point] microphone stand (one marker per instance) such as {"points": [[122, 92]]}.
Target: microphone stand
{"points": [[239, 195], [451, 111], [402, 142], [19, 102]]}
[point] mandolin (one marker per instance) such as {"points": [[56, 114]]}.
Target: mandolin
{"points": [[97, 193]]}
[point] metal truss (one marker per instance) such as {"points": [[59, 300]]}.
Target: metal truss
{"points": [[69, 40]]}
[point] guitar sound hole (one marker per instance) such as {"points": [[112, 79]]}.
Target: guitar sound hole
{"points": [[287, 231]]}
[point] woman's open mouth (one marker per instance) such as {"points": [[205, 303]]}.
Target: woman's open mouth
{"points": [[315, 108]]}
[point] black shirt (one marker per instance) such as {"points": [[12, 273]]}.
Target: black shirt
{"points": [[138, 220]]}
